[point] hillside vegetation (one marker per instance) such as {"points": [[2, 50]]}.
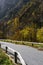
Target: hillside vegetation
{"points": [[25, 23]]}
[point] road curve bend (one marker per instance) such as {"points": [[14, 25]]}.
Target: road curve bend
{"points": [[30, 55]]}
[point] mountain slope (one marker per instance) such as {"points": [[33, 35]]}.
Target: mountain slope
{"points": [[7, 6], [24, 17]]}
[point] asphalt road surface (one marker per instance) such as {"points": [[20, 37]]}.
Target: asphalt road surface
{"points": [[30, 55]]}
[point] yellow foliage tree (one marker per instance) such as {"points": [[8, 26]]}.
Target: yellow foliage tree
{"points": [[40, 35], [26, 34]]}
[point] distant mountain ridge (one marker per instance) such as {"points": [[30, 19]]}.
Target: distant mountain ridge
{"points": [[7, 5]]}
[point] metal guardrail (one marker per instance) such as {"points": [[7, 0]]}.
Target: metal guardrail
{"points": [[15, 53]]}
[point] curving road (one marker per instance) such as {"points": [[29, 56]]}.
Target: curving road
{"points": [[30, 55]]}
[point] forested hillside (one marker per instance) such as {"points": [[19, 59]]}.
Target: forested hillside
{"points": [[24, 21]]}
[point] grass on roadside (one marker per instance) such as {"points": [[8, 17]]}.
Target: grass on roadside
{"points": [[4, 59]]}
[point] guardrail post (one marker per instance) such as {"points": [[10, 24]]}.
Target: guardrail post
{"points": [[0, 45], [6, 49], [32, 44], [15, 57]]}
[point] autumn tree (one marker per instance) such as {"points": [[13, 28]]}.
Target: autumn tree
{"points": [[40, 35]]}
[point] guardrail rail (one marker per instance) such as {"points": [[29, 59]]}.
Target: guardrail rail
{"points": [[16, 54]]}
